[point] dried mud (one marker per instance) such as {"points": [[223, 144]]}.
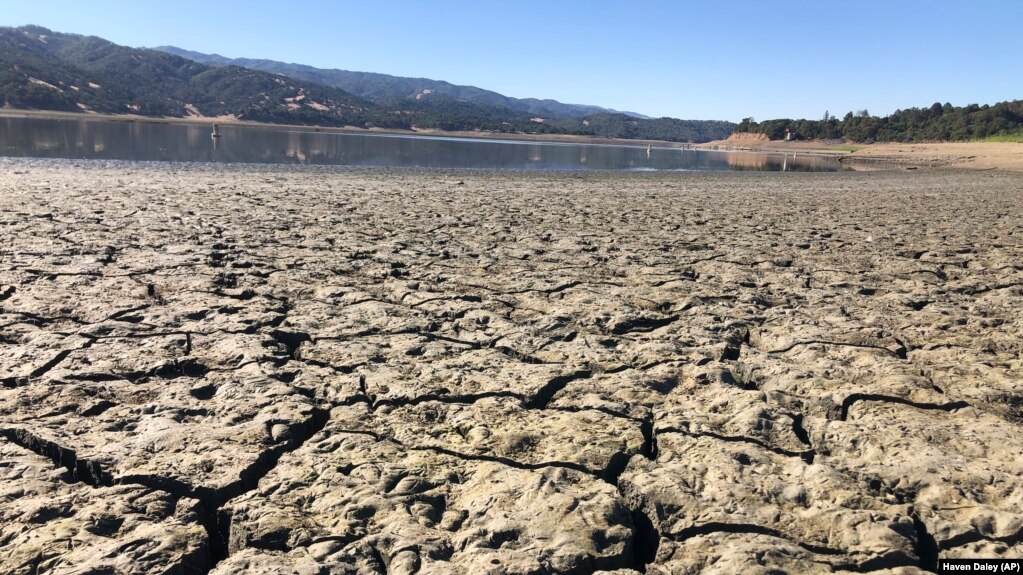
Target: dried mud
{"points": [[308, 371]]}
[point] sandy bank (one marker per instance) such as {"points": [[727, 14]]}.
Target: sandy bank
{"points": [[964, 155]]}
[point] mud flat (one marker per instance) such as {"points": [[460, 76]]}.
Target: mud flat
{"points": [[1004, 156], [268, 370], [960, 155]]}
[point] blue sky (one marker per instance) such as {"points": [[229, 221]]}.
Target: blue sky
{"points": [[708, 60]]}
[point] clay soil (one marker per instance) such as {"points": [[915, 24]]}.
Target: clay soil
{"points": [[229, 369]]}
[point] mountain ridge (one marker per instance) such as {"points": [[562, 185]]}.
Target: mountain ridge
{"points": [[75, 72], [45, 70], [378, 86]]}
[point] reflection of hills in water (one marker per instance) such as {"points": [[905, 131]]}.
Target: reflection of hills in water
{"points": [[238, 144], [747, 161], [753, 161]]}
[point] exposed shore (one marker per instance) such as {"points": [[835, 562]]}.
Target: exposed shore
{"points": [[266, 370], [960, 155], [965, 155]]}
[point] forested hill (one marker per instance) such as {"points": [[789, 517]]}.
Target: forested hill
{"points": [[45, 70], [937, 123], [52, 71], [386, 87]]}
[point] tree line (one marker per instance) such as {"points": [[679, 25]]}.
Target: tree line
{"points": [[937, 123]]}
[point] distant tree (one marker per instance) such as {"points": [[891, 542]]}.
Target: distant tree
{"points": [[938, 122], [746, 125]]}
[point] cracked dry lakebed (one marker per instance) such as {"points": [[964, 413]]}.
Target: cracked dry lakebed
{"points": [[273, 370]]}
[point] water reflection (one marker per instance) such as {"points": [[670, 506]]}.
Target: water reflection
{"points": [[22, 137]]}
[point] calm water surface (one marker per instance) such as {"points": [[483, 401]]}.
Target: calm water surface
{"points": [[91, 139]]}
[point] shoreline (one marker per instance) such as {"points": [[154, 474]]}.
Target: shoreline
{"points": [[965, 155], [466, 134], [960, 155], [1006, 156]]}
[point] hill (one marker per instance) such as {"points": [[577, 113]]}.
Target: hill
{"points": [[386, 87], [45, 70]]}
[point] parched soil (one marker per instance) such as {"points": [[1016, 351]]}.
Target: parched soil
{"points": [[966, 155], [1004, 156], [216, 369]]}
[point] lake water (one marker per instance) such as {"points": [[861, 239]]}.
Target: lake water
{"points": [[94, 139]]}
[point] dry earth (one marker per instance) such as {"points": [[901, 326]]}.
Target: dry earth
{"points": [[310, 371], [966, 155], [1006, 156]]}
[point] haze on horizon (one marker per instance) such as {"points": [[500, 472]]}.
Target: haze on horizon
{"points": [[685, 60]]}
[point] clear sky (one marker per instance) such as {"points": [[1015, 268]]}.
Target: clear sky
{"points": [[707, 60]]}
